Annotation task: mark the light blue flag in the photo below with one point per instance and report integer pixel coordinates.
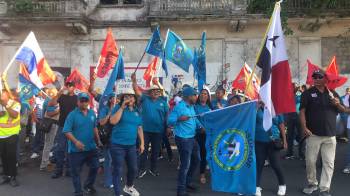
(117, 73)
(177, 52)
(27, 89)
(230, 148)
(155, 44)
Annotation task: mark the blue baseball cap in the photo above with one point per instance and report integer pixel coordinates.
(189, 91)
(83, 95)
(112, 94)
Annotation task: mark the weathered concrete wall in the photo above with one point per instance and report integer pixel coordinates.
(62, 48)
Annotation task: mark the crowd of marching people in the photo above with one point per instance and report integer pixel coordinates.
(134, 127)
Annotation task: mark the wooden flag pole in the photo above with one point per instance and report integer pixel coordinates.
(261, 48)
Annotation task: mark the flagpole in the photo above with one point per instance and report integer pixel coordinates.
(138, 65)
(97, 64)
(261, 48)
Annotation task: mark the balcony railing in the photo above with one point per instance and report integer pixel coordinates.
(303, 7)
(196, 7)
(42, 8)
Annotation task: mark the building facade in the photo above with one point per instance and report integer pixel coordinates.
(71, 33)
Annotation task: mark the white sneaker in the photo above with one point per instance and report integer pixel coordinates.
(282, 190)
(34, 156)
(131, 191)
(258, 191)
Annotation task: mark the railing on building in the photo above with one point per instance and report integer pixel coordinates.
(120, 2)
(196, 7)
(305, 7)
(42, 8)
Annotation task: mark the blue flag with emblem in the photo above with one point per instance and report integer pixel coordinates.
(117, 73)
(230, 148)
(27, 89)
(155, 44)
(177, 52)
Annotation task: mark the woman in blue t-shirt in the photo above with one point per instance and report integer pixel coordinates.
(105, 129)
(203, 105)
(266, 149)
(127, 125)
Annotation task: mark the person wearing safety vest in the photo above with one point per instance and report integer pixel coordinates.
(9, 130)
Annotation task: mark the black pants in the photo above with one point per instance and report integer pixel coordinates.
(8, 153)
(201, 137)
(167, 146)
(155, 139)
(264, 150)
(294, 132)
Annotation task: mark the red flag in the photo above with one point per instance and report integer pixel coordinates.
(81, 83)
(109, 55)
(242, 81)
(310, 70)
(333, 77)
(333, 67)
(151, 71)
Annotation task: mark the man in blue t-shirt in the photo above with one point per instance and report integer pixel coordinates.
(154, 110)
(81, 132)
(183, 118)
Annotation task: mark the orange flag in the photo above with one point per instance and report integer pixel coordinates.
(81, 83)
(109, 55)
(151, 71)
(242, 81)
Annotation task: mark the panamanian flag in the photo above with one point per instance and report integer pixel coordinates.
(30, 55)
(276, 90)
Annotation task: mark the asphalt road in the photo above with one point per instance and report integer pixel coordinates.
(37, 183)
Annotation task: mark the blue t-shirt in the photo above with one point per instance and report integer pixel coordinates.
(264, 136)
(200, 109)
(102, 113)
(125, 131)
(215, 102)
(82, 127)
(154, 114)
(184, 129)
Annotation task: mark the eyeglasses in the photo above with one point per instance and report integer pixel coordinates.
(318, 77)
(84, 100)
(128, 96)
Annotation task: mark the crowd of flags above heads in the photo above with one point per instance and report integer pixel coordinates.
(35, 72)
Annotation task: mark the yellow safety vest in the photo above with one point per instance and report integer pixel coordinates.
(8, 125)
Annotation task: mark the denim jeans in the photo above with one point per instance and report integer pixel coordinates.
(121, 154)
(38, 142)
(61, 151)
(107, 167)
(155, 139)
(77, 161)
(189, 160)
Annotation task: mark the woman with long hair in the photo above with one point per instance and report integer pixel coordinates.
(203, 105)
(127, 127)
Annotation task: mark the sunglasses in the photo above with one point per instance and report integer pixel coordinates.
(318, 77)
(84, 100)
